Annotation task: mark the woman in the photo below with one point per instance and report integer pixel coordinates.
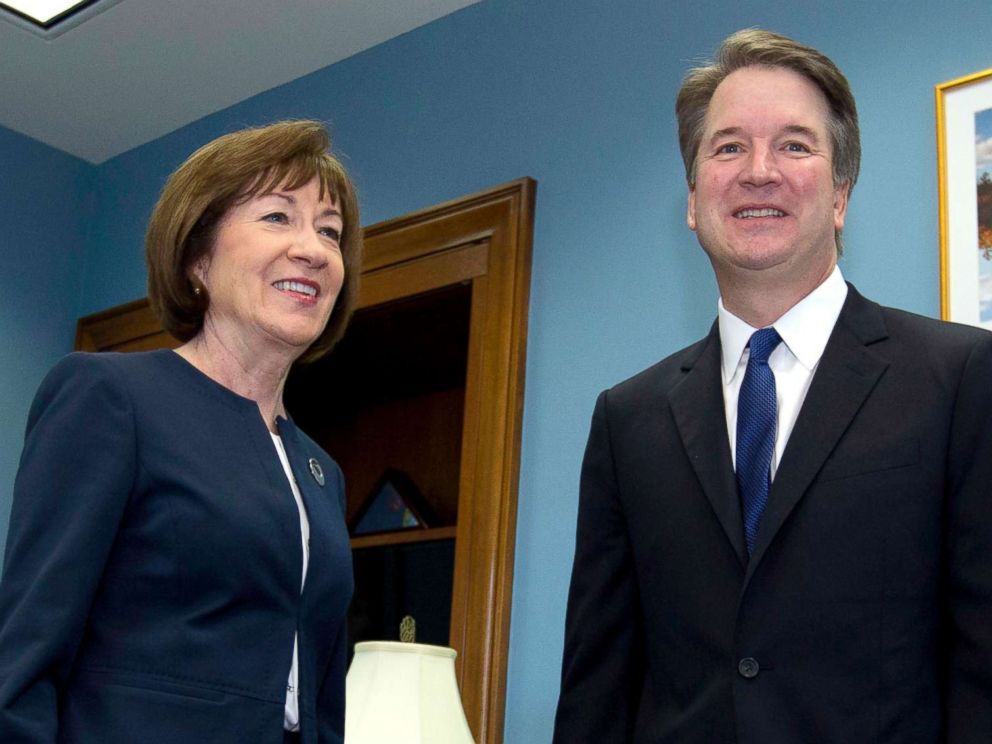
(177, 567)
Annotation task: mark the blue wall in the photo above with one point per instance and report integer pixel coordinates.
(579, 95)
(44, 199)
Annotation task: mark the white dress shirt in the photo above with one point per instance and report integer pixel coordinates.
(291, 721)
(804, 331)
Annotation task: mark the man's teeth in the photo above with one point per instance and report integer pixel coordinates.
(296, 287)
(766, 212)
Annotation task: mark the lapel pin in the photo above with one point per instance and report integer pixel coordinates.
(316, 471)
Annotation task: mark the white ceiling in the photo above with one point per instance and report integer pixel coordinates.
(142, 68)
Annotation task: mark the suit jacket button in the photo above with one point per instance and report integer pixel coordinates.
(748, 668)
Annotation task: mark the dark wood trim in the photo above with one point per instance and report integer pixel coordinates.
(403, 537)
(122, 328)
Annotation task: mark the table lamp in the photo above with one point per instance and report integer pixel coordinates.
(403, 693)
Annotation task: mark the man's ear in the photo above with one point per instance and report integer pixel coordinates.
(690, 216)
(841, 194)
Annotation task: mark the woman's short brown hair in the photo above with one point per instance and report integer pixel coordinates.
(757, 47)
(227, 171)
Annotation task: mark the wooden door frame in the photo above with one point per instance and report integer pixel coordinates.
(484, 239)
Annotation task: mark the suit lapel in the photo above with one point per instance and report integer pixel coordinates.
(846, 374)
(697, 405)
(313, 492)
(299, 461)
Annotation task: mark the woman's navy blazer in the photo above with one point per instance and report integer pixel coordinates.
(151, 586)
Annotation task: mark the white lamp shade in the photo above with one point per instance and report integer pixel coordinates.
(403, 693)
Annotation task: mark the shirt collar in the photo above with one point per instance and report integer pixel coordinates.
(805, 328)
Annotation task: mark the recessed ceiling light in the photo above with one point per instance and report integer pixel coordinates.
(51, 18)
(44, 12)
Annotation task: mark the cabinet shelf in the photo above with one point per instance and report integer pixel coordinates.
(403, 537)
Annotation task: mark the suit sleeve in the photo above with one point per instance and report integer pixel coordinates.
(72, 485)
(603, 669)
(969, 555)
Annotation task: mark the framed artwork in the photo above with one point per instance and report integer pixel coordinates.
(393, 504)
(964, 171)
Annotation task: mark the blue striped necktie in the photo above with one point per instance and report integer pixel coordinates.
(756, 431)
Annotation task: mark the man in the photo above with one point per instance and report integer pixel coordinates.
(785, 530)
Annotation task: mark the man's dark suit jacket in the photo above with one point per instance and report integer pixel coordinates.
(151, 586)
(865, 613)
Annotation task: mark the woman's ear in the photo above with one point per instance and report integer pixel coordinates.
(196, 275)
(197, 272)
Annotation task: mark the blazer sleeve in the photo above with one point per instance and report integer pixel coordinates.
(603, 669)
(72, 486)
(968, 641)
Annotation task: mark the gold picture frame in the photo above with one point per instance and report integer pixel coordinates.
(964, 154)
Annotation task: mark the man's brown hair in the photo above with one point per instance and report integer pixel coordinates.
(757, 47)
